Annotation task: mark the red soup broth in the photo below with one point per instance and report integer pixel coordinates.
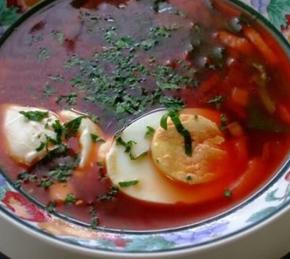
(207, 55)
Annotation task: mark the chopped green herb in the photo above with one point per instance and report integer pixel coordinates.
(163, 121)
(37, 116)
(94, 118)
(43, 54)
(126, 184)
(162, 31)
(148, 44)
(58, 129)
(48, 90)
(70, 199)
(156, 5)
(96, 139)
(216, 101)
(45, 182)
(224, 122)
(41, 146)
(180, 129)
(110, 195)
(124, 43)
(150, 132)
(228, 193)
(188, 178)
(62, 172)
(24, 177)
(132, 157)
(51, 207)
(58, 36)
(60, 150)
(73, 61)
(71, 128)
(95, 221)
(127, 145)
(69, 99)
(57, 78)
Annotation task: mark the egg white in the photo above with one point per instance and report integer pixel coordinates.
(24, 136)
(86, 129)
(152, 186)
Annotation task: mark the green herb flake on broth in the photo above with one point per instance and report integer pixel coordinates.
(150, 132)
(50, 207)
(96, 139)
(58, 36)
(71, 128)
(58, 129)
(69, 99)
(126, 184)
(121, 89)
(109, 195)
(43, 54)
(224, 121)
(70, 199)
(48, 90)
(37, 116)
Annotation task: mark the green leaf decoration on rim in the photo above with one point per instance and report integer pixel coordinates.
(8, 15)
(277, 11)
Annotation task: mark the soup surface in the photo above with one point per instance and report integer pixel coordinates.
(144, 114)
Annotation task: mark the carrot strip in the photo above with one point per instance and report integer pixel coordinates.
(283, 113)
(238, 43)
(240, 96)
(256, 39)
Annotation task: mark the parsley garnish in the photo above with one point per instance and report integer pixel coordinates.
(71, 128)
(51, 207)
(48, 90)
(126, 184)
(41, 146)
(174, 115)
(228, 193)
(70, 99)
(43, 54)
(70, 199)
(110, 195)
(127, 145)
(96, 139)
(58, 129)
(150, 132)
(24, 177)
(58, 36)
(62, 172)
(45, 182)
(56, 78)
(34, 115)
(95, 221)
(224, 122)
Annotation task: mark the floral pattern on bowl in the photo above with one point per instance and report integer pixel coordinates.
(268, 201)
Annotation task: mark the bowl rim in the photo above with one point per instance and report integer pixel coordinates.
(228, 238)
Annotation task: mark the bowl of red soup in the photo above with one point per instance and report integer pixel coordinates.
(143, 127)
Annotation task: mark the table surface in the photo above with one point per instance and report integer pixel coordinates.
(271, 242)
